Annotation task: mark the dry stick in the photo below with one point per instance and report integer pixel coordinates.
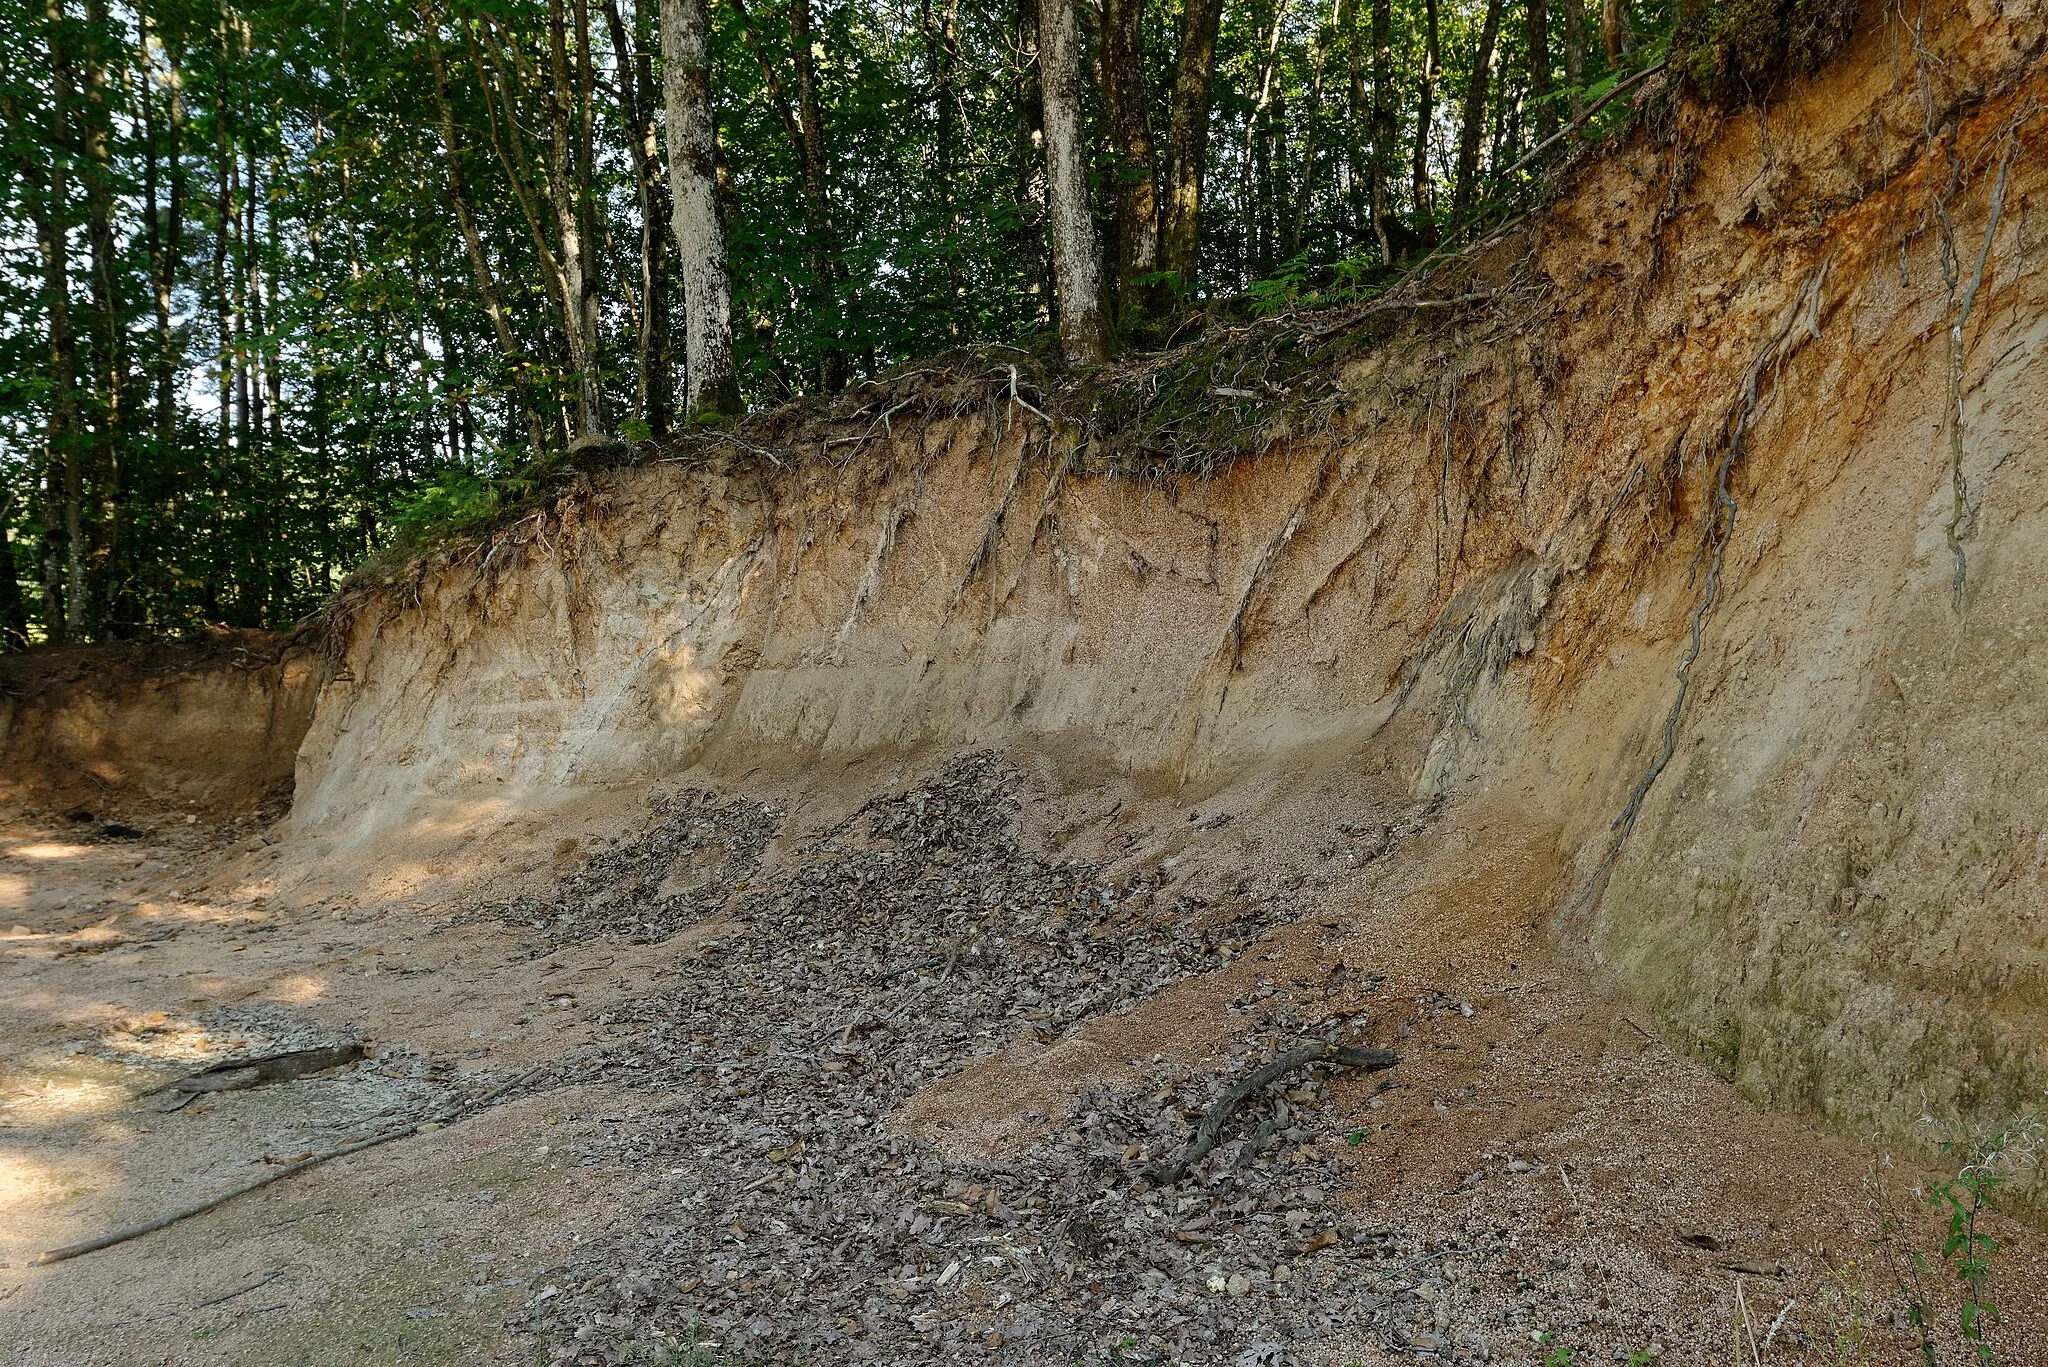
(122, 1236)
(265, 1280)
(1210, 1132)
(1580, 122)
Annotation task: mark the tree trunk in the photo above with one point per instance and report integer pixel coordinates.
(1127, 105)
(510, 145)
(693, 182)
(1077, 283)
(824, 261)
(1424, 181)
(472, 240)
(1357, 206)
(166, 231)
(566, 195)
(108, 365)
(1030, 108)
(1258, 151)
(45, 182)
(1617, 35)
(1187, 140)
(1574, 14)
(1539, 69)
(1472, 129)
(636, 105)
(1382, 123)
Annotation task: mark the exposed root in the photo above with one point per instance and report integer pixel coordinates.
(1219, 1115)
(1801, 323)
(1959, 487)
(992, 534)
(1233, 637)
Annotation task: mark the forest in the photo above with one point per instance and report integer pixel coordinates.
(284, 282)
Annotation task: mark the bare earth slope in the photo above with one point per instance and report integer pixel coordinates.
(866, 860)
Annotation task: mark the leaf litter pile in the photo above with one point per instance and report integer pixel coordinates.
(791, 1224)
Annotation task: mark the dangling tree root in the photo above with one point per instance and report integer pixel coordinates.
(1219, 1115)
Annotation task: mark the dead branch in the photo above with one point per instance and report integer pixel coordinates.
(1219, 1115)
(240, 1074)
(445, 1116)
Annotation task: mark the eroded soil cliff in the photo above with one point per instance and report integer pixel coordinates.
(861, 846)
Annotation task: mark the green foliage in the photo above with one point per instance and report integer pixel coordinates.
(283, 361)
(1740, 50)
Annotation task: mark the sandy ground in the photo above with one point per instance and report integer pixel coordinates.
(1535, 1122)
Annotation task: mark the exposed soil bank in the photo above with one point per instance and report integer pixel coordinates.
(213, 723)
(1713, 387)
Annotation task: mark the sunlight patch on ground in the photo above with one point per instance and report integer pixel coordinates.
(299, 988)
(62, 1098)
(47, 849)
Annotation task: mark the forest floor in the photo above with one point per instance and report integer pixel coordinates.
(881, 1070)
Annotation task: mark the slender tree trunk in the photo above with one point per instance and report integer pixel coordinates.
(166, 230)
(636, 107)
(258, 366)
(1357, 164)
(1472, 129)
(1030, 110)
(1539, 69)
(1127, 104)
(1077, 282)
(45, 182)
(1382, 123)
(566, 193)
(824, 258)
(1423, 179)
(472, 240)
(494, 76)
(1258, 148)
(1187, 140)
(803, 121)
(713, 376)
(1573, 13)
(1310, 179)
(223, 308)
(1617, 34)
(66, 428)
(109, 366)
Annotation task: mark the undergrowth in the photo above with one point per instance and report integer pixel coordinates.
(1739, 51)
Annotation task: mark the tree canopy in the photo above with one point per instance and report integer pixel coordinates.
(282, 279)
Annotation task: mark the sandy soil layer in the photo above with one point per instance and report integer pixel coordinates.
(880, 1071)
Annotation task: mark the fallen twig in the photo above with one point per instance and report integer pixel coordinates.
(240, 1074)
(1580, 122)
(265, 1280)
(1210, 1132)
(122, 1236)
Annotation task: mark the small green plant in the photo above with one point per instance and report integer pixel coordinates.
(1965, 1248)
(1966, 1252)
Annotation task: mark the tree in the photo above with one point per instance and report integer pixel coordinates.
(712, 375)
(1076, 272)
(1187, 143)
(1127, 109)
(1472, 121)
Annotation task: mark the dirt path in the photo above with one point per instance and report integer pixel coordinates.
(885, 1080)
